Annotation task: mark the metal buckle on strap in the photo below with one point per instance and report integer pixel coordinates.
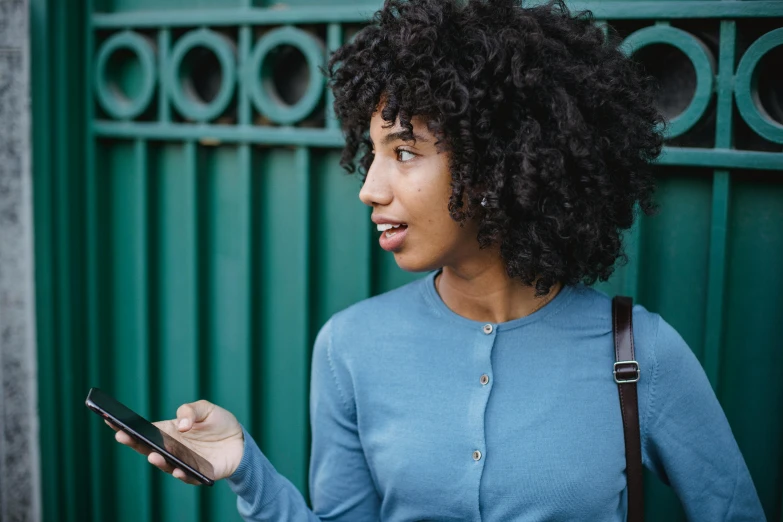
(634, 370)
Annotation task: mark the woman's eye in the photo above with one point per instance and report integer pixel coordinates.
(405, 155)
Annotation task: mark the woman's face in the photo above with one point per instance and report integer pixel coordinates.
(409, 184)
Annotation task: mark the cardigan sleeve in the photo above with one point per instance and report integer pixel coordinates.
(341, 485)
(689, 443)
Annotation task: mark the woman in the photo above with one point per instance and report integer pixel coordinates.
(504, 149)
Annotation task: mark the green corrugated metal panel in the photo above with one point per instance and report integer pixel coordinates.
(191, 249)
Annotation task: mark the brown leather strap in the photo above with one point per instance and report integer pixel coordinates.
(626, 373)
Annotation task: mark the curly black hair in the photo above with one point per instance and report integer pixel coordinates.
(542, 114)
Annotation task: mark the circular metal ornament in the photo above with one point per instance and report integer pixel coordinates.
(110, 97)
(263, 93)
(189, 104)
(701, 59)
(745, 88)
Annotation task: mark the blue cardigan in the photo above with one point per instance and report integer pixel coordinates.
(420, 414)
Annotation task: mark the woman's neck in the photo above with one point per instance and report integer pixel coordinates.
(486, 293)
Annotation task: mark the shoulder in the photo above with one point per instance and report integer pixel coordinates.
(591, 309)
(356, 326)
(656, 343)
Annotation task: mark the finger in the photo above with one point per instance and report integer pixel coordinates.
(168, 426)
(112, 426)
(184, 477)
(124, 438)
(157, 460)
(191, 413)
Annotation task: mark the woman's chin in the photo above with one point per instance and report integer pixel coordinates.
(411, 263)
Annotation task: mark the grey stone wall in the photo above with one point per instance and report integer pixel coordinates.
(19, 455)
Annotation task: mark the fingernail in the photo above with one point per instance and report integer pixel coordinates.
(183, 424)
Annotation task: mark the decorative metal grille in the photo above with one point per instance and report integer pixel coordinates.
(246, 56)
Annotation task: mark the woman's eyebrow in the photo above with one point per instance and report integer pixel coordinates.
(403, 135)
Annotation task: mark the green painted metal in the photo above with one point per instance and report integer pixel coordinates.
(757, 118)
(722, 158)
(721, 200)
(176, 256)
(191, 248)
(281, 136)
(750, 383)
(699, 56)
(285, 233)
(111, 98)
(245, 41)
(182, 95)
(164, 46)
(346, 11)
(264, 99)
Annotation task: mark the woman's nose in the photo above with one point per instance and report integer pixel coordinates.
(376, 190)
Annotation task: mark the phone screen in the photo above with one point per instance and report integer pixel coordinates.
(143, 430)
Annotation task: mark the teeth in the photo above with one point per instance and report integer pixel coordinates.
(391, 234)
(387, 226)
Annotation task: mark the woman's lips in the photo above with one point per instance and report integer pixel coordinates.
(393, 243)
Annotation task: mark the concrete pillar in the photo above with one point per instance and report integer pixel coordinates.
(19, 453)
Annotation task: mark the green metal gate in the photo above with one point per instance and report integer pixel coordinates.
(194, 230)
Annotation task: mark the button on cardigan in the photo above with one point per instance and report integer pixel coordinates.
(420, 414)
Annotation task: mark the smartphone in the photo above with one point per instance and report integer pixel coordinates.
(143, 431)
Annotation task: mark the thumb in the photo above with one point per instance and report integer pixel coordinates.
(193, 412)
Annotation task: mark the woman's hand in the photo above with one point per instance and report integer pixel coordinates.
(207, 429)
